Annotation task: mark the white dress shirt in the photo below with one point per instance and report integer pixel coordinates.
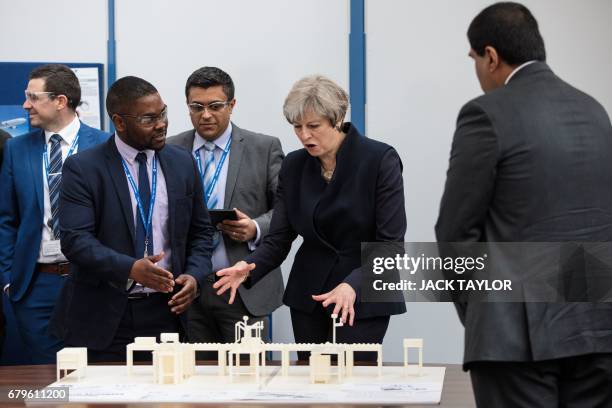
(68, 135)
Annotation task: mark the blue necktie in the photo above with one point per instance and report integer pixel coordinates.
(54, 179)
(209, 173)
(144, 191)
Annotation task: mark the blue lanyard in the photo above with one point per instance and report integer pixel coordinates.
(146, 223)
(211, 186)
(73, 147)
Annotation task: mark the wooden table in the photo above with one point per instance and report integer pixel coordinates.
(457, 391)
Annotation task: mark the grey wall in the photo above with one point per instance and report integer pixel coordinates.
(418, 76)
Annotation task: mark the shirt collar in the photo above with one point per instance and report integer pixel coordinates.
(220, 142)
(517, 69)
(68, 133)
(129, 153)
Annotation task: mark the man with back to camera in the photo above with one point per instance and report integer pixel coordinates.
(136, 229)
(32, 265)
(246, 180)
(530, 163)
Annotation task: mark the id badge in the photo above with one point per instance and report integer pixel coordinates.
(51, 248)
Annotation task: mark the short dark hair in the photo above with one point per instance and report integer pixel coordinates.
(207, 77)
(60, 80)
(125, 91)
(511, 29)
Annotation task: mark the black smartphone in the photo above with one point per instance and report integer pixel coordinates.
(217, 216)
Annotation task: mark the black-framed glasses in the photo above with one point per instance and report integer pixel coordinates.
(148, 120)
(212, 107)
(34, 97)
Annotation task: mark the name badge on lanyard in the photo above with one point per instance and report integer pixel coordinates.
(51, 248)
(211, 187)
(147, 223)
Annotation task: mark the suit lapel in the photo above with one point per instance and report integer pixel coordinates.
(36, 151)
(115, 168)
(167, 167)
(235, 158)
(186, 140)
(314, 188)
(85, 138)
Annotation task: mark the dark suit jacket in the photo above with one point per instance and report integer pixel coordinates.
(97, 227)
(363, 203)
(252, 177)
(22, 205)
(530, 162)
(4, 136)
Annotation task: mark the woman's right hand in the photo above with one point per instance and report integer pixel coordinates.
(232, 277)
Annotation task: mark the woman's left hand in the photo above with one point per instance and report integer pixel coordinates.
(343, 296)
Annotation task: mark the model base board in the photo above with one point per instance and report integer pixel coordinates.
(112, 384)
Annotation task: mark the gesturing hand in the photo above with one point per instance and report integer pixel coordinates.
(343, 296)
(183, 298)
(232, 278)
(147, 273)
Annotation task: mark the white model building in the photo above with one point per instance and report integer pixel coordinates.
(173, 361)
(413, 343)
(72, 358)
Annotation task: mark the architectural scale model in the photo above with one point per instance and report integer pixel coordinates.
(174, 362)
(72, 358)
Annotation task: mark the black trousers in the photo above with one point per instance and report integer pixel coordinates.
(572, 382)
(213, 320)
(147, 317)
(316, 327)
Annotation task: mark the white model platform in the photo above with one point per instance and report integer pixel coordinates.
(112, 384)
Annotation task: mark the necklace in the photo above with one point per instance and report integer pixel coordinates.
(327, 174)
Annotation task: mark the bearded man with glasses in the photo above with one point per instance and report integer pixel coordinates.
(239, 170)
(33, 268)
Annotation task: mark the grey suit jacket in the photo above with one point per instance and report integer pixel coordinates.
(530, 162)
(252, 178)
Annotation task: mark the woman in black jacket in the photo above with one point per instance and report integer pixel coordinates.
(340, 190)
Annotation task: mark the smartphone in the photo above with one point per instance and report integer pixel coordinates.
(217, 216)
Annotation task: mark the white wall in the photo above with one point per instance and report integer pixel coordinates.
(418, 76)
(54, 31)
(265, 45)
(59, 30)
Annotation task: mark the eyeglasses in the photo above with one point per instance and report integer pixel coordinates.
(212, 107)
(148, 120)
(34, 97)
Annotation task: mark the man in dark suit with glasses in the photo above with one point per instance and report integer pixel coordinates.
(135, 228)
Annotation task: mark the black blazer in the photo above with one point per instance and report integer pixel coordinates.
(97, 226)
(363, 203)
(530, 162)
